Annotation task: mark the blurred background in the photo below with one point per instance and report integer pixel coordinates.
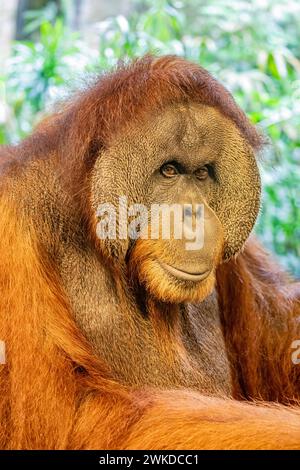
(253, 47)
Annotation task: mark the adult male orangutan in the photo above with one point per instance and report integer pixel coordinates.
(140, 343)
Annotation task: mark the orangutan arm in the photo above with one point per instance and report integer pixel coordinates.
(185, 420)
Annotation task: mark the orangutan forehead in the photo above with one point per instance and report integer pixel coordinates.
(186, 126)
(181, 130)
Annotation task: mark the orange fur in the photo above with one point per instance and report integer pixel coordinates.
(260, 310)
(56, 394)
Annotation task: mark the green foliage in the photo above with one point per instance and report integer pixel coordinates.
(37, 73)
(251, 46)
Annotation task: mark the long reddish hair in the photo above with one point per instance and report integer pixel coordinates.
(54, 392)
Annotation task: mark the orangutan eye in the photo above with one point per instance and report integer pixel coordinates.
(202, 173)
(169, 170)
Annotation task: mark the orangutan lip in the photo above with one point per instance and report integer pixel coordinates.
(183, 275)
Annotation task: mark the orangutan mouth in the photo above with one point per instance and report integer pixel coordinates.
(184, 275)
